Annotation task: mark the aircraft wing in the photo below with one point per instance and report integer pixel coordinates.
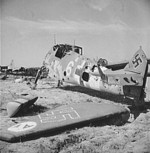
(56, 120)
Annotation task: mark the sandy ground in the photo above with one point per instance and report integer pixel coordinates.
(134, 136)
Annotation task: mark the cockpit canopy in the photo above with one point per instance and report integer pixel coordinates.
(62, 49)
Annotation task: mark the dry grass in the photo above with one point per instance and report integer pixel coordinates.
(132, 137)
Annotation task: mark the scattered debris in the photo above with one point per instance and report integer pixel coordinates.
(20, 105)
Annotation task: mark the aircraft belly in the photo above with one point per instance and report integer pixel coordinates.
(25, 128)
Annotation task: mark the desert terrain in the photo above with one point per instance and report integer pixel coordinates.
(131, 137)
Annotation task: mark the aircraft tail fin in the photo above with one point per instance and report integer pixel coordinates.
(138, 63)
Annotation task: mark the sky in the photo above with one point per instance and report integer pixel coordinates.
(110, 29)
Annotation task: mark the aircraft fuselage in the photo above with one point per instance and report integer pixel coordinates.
(66, 64)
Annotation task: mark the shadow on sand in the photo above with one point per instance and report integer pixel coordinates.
(35, 110)
(108, 96)
(98, 94)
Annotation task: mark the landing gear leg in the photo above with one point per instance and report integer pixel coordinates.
(60, 83)
(37, 77)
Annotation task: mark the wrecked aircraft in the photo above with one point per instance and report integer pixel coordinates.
(65, 63)
(62, 117)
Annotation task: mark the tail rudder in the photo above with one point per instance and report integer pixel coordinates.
(138, 63)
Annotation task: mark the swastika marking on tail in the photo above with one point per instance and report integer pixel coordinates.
(137, 60)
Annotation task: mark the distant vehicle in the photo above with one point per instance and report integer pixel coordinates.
(66, 64)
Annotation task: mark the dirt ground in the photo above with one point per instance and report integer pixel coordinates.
(132, 137)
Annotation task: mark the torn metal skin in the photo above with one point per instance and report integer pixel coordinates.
(67, 64)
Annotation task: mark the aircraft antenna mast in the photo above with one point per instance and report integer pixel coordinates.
(74, 41)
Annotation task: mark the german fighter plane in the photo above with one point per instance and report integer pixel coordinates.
(67, 64)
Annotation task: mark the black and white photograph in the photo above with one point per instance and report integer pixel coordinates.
(74, 76)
